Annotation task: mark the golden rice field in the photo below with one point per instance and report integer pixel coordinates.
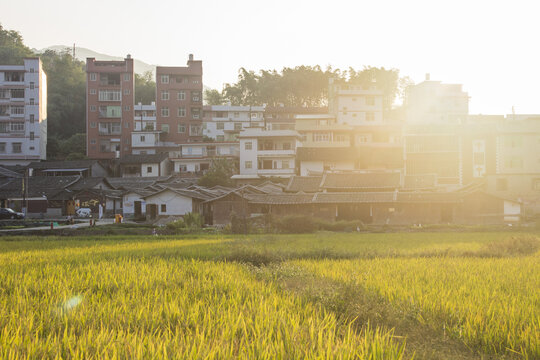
(226, 297)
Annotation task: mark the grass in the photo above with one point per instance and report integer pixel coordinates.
(427, 295)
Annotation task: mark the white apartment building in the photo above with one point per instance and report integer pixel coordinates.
(266, 153)
(224, 122)
(23, 113)
(355, 105)
(432, 102)
(145, 117)
(197, 157)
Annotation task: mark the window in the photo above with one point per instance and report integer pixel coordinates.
(248, 164)
(93, 124)
(195, 113)
(163, 208)
(165, 128)
(164, 79)
(16, 148)
(164, 95)
(182, 95)
(222, 114)
(93, 141)
(236, 114)
(237, 126)
(32, 70)
(514, 162)
(109, 95)
(536, 184)
(341, 138)
(127, 77)
(32, 118)
(478, 158)
(92, 107)
(127, 91)
(181, 128)
(126, 125)
(195, 130)
(32, 85)
(149, 169)
(196, 96)
(17, 127)
(143, 138)
(92, 91)
(248, 145)
(370, 116)
(220, 138)
(17, 110)
(285, 164)
(253, 115)
(513, 141)
(165, 111)
(127, 108)
(501, 185)
(181, 112)
(286, 146)
(196, 81)
(32, 136)
(370, 100)
(2, 147)
(321, 137)
(93, 76)
(220, 126)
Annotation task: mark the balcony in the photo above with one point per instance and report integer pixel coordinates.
(275, 172)
(275, 153)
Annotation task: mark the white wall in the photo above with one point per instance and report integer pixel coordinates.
(129, 204)
(248, 155)
(177, 205)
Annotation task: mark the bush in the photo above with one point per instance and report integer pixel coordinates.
(296, 224)
(193, 220)
(342, 225)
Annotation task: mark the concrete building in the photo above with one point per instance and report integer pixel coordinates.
(266, 153)
(195, 158)
(179, 102)
(355, 105)
(224, 122)
(432, 102)
(23, 113)
(109, 108)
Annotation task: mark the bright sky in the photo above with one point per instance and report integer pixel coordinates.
(491, 47)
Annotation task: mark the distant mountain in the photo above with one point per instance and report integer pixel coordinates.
(83, 53)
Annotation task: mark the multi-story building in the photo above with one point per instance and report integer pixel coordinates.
(23, 113)
(266, 153)
(432, 102)
(109, 108)
(355, 105)
(179, 102)
(194, 157)
(284, 117)
(224, 122)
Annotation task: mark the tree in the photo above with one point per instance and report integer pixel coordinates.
(145, 88)
(12, 48)
(220, 172)
(213, 97)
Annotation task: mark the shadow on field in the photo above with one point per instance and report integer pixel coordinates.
(365, 309)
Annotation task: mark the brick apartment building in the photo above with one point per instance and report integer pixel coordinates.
(109, 108)
(179, 102)
(23, 113)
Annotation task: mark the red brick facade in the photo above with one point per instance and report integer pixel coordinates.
(109, 107)
(179, 102)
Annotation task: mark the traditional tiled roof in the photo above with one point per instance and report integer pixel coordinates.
(427, 197)
(359, 181)
(89, 183)
(186, 193)
(38, 186)
(10, 173)
(270, 187)
(143, 159)
(420, 181)
(308, 184)
(135, 182)
(357, 197)
(281, 199)
(66, 164)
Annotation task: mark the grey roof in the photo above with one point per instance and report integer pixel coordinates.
(357, 197)
(383, 180)
(280, 199)
(270, 187)
(186, 193)
(67, 164)
(143, 159)
(308, 184)
(420, 181)
(428, 197)
(38, 186)
(9, 173)
(128, 183)
(89, 183)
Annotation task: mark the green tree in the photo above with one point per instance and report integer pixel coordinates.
(12, 48)
(213, 97)
(145, 88)
(220, 172)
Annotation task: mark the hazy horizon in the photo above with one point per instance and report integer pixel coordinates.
(486, 46)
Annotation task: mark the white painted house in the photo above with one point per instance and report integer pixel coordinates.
(224, 122)
(265, 153)
(173, 202)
